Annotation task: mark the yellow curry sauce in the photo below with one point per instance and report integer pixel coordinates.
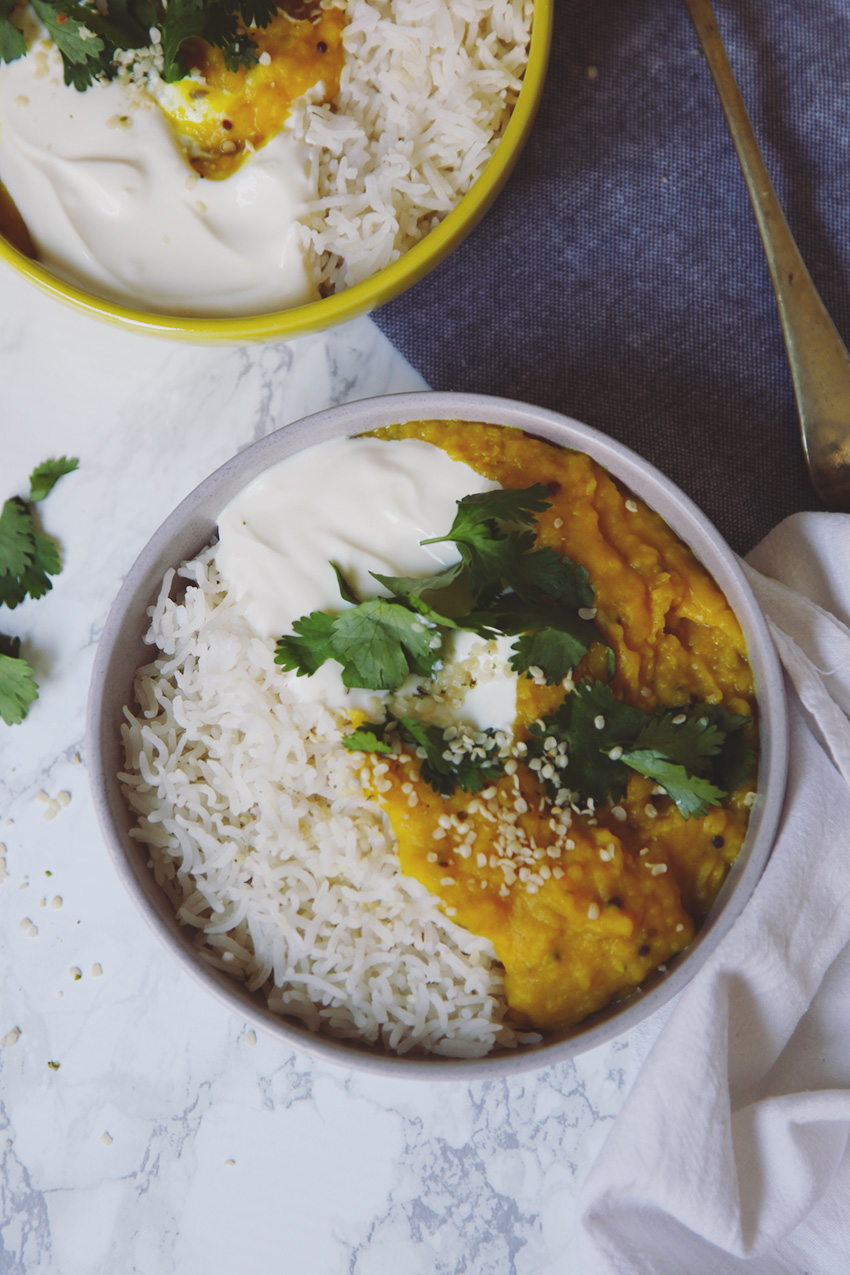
(580, 907)
(230, 114)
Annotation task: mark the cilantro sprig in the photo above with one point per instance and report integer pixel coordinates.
(28, 558)
(451, 758)
(378, 642)
(12, 42)
(502, 584)
(698, 754)
(89, 37)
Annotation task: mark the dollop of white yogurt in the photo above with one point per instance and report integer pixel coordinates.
(365, 504)
(113, 206)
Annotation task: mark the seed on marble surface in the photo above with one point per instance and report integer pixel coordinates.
(250, 1038)
(28, 927)
(56, 901)
(96, 970)
(12, 1037)
(106, 1139)
(75, 972)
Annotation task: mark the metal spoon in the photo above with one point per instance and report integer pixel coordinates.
(820, 364)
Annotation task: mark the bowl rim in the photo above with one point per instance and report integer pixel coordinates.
(359, 299)
(191, 525)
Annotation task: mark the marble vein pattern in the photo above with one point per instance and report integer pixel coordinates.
(142, 1127)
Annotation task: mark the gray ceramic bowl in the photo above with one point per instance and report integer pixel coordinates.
(192, 525)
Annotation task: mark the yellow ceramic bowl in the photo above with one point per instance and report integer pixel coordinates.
(363, 297)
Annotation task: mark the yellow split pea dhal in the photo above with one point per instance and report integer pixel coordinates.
(581, 904)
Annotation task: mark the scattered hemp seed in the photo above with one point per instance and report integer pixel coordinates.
(76, 973)
(56, 901)
(96, 970)
(230, 1163)
(106, 1138)
(250, 1038)
(28, 927)
(54, 1066)
(11, 1038)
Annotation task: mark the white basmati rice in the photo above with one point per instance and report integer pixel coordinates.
(426, 93)
(259, 833)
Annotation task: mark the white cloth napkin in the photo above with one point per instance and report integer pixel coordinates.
(731, 1153)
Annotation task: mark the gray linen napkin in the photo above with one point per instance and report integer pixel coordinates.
(619, 277)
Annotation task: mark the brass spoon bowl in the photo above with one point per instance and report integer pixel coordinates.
(820, 364)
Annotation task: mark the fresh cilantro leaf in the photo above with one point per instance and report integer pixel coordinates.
(182, 20)
(691, 739)
(504, 504)
(10, 646)
(18, 687)
(257, 13)
(693, 794)
(555, 651)
(17, 537)
(345, 590)
(238, 51)
(34, 580)
(12, 42)
(470, 760)
(490, 561)
(590, 721)
(124, 24)
(69, 29)
(78, 75)
(367, 739)
(453, 759)
(46, 475)
(306, 650)
(683, 750)
(544, 573)
(216, 22)
(380, 642)
(491, 555)
(735, 765)
(553, 639)
(412, 590)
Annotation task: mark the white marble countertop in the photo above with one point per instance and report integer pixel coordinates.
(143, 1128)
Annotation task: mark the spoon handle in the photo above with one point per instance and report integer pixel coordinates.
(820, 364)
